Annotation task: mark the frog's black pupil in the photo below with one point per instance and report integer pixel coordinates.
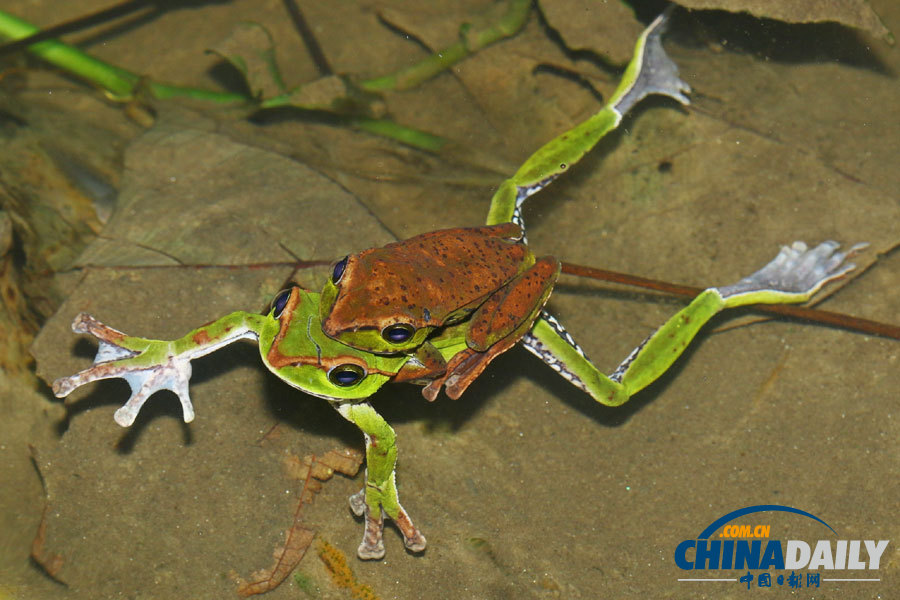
(280, 302)
(339, 270)
(397, 334)
(346, 375)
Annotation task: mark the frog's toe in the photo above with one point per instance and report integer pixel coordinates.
(372, 546)
(656, 72)
(370, 551)
(415, 543)
(412, 537)
(64, 386)
(358, 503)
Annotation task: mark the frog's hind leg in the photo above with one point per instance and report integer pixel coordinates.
(793, 276)
(511, 309)
(650, 71)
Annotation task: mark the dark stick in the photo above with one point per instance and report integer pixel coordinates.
(786, 310)
(312, 45)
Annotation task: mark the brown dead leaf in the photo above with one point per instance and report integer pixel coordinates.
(314, 470)
(345, 461)
(297, 541)
(50, 562)
(17, 323)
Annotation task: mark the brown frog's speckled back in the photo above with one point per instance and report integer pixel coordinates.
(427, 278)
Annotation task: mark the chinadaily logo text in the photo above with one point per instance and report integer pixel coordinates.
(742, 547)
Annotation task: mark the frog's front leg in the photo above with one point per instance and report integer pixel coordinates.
(379, 496)
(425, 364)
(152, 365)
(793, 276)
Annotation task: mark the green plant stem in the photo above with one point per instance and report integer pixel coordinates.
(395, 131)
(122, 84)
(116, 81)
(470, 42)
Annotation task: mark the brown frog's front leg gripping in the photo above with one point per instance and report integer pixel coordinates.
(512, 309)
(379, 496)
(426, 364)
(497, 326)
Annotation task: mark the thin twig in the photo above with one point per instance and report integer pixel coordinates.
(309, 39)
(785, 310)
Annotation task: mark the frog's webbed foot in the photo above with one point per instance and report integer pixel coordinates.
(147, 365)
(656, 72)
(794, 275)
(152, 365)
(372, 545)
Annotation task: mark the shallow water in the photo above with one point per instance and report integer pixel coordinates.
(524, 487)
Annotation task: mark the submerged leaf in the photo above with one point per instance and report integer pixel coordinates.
(337, 93)
(313, 470)
(251, 51)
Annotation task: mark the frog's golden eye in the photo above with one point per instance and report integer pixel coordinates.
(338, 271)
(346, 375)
(279, 302)
(398, 333)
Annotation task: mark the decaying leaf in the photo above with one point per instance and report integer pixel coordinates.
(50, 562)
(251, 51)
(17, 323)
(297, 540)
(313, 471)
